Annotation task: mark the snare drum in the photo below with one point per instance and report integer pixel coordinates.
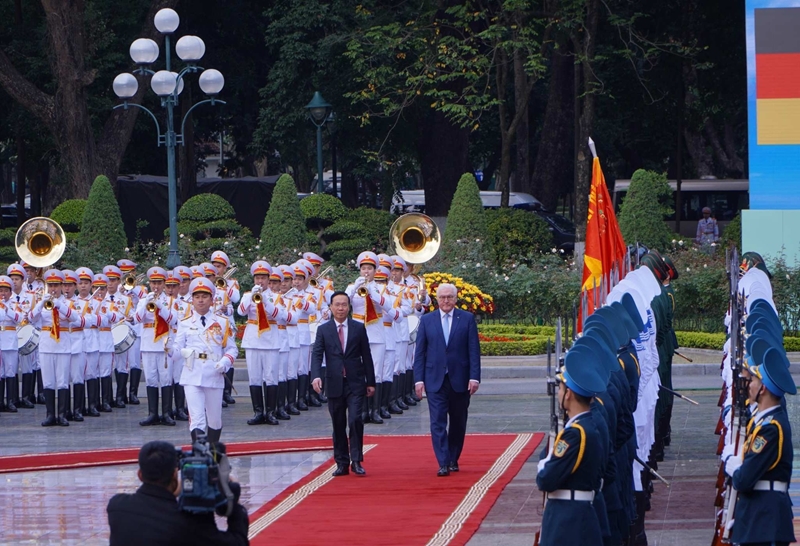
(413, 328)
(27, 339)
(124, 336)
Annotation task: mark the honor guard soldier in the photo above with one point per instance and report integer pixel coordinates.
(77, 356)
(571, 472)
(285, 389)
(134, 354)
(22, 303)
(54, 315)
(10, 317)
(155, 314)
(320, 315)
(323, 283)
(305, 306)
(762, 472)
(294, 404)
(392, 311)
(224, 300)
(105, 341)
(197, 272)
(405, 303)
(91, 340)
(123, 306)
(707, 229)
(205, 344)
(35, 288)
(367, 306)
(80, 378)
(262, 344)
(181, 308)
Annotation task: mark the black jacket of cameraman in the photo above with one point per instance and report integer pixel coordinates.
(151, 516)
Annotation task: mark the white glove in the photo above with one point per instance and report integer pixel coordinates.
(150, 297)
(221, 365)
(257, 289)
(732, 464)
(543, 462)
(360, 281)
(726, 452)
(47, 296)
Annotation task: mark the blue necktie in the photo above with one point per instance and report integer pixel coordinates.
(203, 320)
(446, 328)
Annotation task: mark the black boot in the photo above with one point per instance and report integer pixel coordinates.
(63, 404)
(322, 396)
(68, 413)
(122, 387)
(3, 407)
(408, 388)
(195, 433)
(12, 389)
(113, 401)
(136, 376)
(386, 391)
(50, 405)
(40, 386)
(27, 383)
(105, 395)
(214, 435)
(375, 405)
(78, 400)
(257, 396)
(394, 408)
(302, 387)
(226, 392)
(272, 401)
(400, 391)
(166, 406)
(280, 405)
(152, 408)
(291, 397)
(93, 392)
(311, 394)
(180, 403)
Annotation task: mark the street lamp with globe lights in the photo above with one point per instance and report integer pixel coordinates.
(168, 85)
(319, 112)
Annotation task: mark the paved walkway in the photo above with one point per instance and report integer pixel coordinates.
(681, 515)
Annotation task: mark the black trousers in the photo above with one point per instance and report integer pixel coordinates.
(345, 412)
(443, 404)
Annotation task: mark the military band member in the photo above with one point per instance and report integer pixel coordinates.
(571, 473)
(77, 356)
(287, 390)
(123, 306)
(33, 279)
(22, 303)
(105, 341)
(392, 311)
(182, 308)
(133, 355)
(197, 271)
(205, 343)
(406, 305)
(35, 288)
(224, 302)
(305, 306)
(762, 472)
(10, 317)
(293, 339)
(55, 346)
(155, 314)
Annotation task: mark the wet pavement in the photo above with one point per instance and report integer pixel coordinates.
(43, 507)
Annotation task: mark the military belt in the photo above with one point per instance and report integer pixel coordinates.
(768, 485)
(571, 494)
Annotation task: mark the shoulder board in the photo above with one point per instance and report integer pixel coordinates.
(767, 420)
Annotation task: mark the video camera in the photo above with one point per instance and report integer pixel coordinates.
(205, 474)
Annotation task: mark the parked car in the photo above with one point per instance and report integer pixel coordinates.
(562, 228)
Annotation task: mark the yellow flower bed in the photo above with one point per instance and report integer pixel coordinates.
(470, 297)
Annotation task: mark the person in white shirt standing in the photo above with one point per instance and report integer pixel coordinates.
(206, 347)
(22, 303)
(9, 318)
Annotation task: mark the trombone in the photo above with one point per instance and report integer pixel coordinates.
(222, 282)
(132, 282)
(314, 283)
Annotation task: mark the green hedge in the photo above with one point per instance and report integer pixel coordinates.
(514, 348)
(206, 207)
(518, 329)
(69, 214)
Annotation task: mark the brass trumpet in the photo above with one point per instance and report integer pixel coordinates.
(151, 306)
(49, 305)
(314, 283)
(362, 291)
(257, 298)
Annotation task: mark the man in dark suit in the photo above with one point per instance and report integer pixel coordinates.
(349, 376)
(151, 515)
(447, 365)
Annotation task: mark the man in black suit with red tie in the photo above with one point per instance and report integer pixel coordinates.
(349, 376)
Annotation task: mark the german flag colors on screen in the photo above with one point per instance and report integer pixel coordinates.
(777, 33)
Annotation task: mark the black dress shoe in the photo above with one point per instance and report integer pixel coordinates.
(358, 469)
(341, 470)
(452, 467)
(443, 471)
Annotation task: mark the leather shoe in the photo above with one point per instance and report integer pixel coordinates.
(341, 470)
(357, 468)
(452, 467)
(443, 471)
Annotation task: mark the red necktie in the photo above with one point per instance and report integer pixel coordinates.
(341, 340)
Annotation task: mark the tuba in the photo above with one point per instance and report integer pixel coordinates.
(415, 237)
(40, 242)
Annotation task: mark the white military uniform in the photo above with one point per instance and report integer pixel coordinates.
(209, 345)
(375, 327)
(154, 357)
(55, 343)
(10, 316)
(262, 348)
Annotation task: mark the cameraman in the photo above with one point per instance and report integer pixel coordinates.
(151, 515)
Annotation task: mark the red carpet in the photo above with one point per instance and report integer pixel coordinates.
(400, 500)
(80, 459)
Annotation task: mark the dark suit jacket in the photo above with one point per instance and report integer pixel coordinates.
(357, 361)
(460, 358)
(151, 516)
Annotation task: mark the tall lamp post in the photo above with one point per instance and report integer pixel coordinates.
(318, 112)
(168, 85)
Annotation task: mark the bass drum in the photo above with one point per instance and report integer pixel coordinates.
(124, 336)
(27, 339)
(413, 328)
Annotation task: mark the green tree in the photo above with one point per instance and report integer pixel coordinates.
(283, 234)
(321, 211)
(466, 223)
(102, 229)
(641, 216)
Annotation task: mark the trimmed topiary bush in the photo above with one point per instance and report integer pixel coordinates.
(69, 214)
(206, 207)
(466, 221)
(358, 230)
(641, 216)
(102, 229)
(284, 231)
(516, 234)
(732, 235)
(321, 211)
